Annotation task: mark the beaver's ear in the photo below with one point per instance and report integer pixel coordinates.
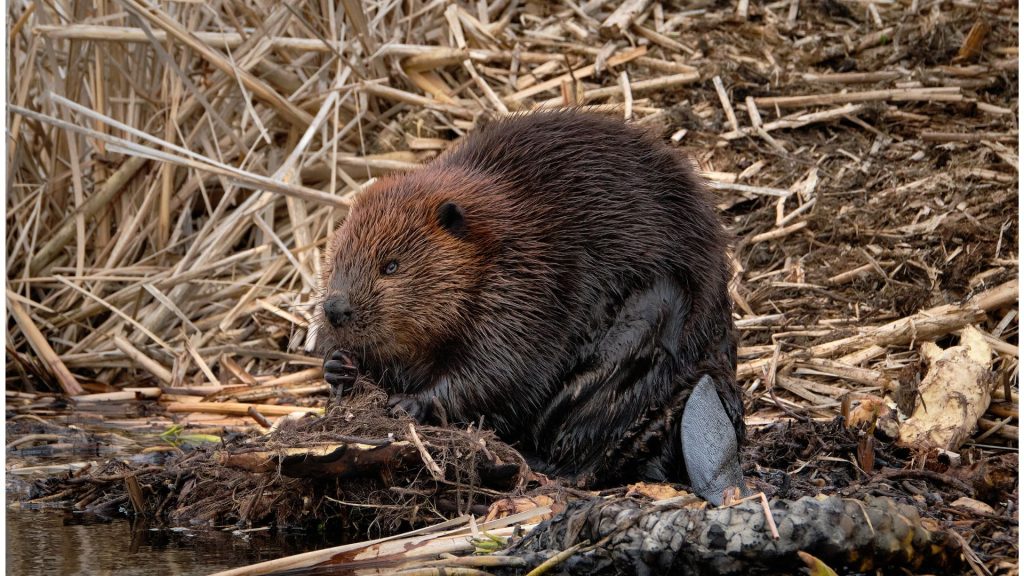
(451, 218)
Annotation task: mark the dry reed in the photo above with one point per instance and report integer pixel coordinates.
(175, 167)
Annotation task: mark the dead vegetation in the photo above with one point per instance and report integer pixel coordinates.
(347, 467)
(174, 168)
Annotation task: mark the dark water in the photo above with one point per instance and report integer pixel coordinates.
(54, 542)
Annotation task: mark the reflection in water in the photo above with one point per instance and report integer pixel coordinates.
(53, 542)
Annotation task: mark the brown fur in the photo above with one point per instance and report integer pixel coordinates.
(562, 217)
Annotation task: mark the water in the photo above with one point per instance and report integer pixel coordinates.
(55, 542)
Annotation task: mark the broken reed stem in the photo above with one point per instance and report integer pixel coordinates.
(851, 275)
(790, 122)
(619, 21)
(778, 233)
(127, 394)
(854, 77)
(723, 98)
(939, 94)
(428, 460)
(627, 95)
(557, 559)
(259, 418)
(219, 40)
(147, 363)
(928, 136)
(745, 188)
(237, 408)
(35, 338)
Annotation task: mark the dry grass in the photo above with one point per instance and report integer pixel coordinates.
(175, 167)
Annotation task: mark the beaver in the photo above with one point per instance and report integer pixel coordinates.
(563, 275)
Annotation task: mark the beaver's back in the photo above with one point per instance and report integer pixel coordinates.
(604, 207)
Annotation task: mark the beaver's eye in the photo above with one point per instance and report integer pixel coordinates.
(390, 268)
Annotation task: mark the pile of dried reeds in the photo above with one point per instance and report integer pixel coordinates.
(175, 167)
(357, 462)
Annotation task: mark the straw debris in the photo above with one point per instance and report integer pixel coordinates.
(175, 168)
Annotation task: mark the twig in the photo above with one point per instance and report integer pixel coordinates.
(769, 518)
(555, 560)
(723, 97)
(778, 232)
(428, 460)
(619, 21)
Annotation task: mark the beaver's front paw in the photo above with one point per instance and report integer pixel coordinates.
(417, 408)
(340, 369)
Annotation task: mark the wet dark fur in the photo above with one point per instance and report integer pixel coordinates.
(575, 305)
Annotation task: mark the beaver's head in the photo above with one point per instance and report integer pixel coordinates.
(399, 273)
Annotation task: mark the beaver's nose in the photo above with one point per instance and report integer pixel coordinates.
(338, 311)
